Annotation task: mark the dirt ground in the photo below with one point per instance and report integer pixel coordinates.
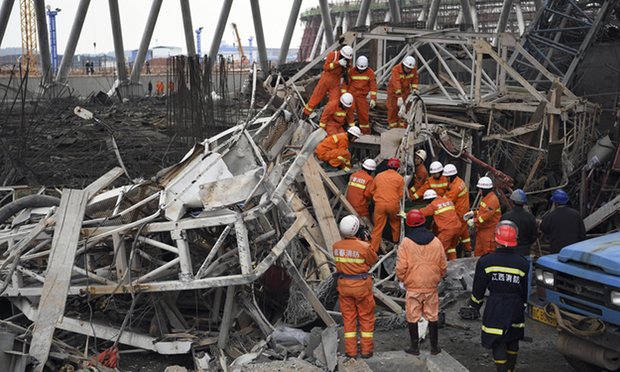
(537, 354)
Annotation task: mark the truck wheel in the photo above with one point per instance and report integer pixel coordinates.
(581, 366)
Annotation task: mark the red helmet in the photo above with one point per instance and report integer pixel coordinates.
(393, 163)
(506, 233)
(415, 218)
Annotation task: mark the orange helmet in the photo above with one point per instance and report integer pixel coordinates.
(393, 163)
(415, 218)
(506, 233)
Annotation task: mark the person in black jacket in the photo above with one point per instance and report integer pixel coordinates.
(525, 221)
(562, 225)
(504, 273)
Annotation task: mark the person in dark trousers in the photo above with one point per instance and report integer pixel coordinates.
(148, 67)
(525, 221)
(562, 225)
(504, 273)
(150, 88)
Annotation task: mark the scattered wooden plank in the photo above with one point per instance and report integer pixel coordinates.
(320, 202)
(103, 181)
(603, 213)
(227, 317)
(387, 300)
(458, 123)
(54, 296)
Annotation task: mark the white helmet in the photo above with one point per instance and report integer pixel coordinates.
(429, 194)
(436, 167)
(421, 154)
(485, 183)
(346, 52)
(449, 170)
(409, 62)
(355, 131)
(369, 164)
(361, 63)
(349, 225)
(346, 99)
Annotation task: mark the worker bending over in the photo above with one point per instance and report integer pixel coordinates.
(334, 149)
(420, 265)
(485, 218)
(358, 193)
(354, 258)
(421, 174)
(447, 223)
(362, 81)
(387, 191)
(459, 194)
(335, 114)
(562, 225)
(504, 274)
(335, 64)
(436, 182)
(403, 81)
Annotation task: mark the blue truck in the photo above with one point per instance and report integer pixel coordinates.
(579, 288)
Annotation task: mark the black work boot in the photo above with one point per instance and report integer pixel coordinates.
(512, 361)
(415, 340)
(433, 332)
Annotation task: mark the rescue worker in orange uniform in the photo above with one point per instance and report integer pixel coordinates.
(459, 194)
(386, 191)
(421, 174)
(334, 149)
(436, 182)
(159, 87)
(359, 182)
(335, 64)
(447, 223)
(403, 81)
(335, 114)
(362, 81)
(354, 258)
(420, 265)
(485, 218)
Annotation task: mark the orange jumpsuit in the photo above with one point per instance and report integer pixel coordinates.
(386, 191)
(356, 192)
(159, 87)
(439, 185)
(334, 149)
(458, 193)
(360, 84)
(353, 260)
(419, 179)
(486, 218)
(447, 222)
(400, 85)
(328, 83)
(420, 269)
(333, 117)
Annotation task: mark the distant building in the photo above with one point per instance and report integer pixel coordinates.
(165, 51)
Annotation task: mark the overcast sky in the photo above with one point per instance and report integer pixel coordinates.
(169, 28)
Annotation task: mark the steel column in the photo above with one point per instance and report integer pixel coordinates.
(260, 36)
(5, 14)
(74, 36)
(44, 44)
(474, 14)
(363, 14)
(327, 22)
(187, 28)
(466, 10)
(432, 15)
(117, 35)
(520, 18)
(146, 40)
(503, 16)
(219, 30)
(395, 11)
(288, 33)
(317, 42)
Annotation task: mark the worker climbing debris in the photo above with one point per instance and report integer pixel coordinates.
(459, 194)
(420, 174)
(386, 191)
(337, 114)
(358, 189)
(334, 149)
(485, 218)
(445, 221)
(403, 81)
(437, 182)
(362, 83)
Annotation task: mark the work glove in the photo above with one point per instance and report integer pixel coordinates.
(342, 62)
(373, 103)
(468, 216)
(346, 169)
(470, 222)
(399, 102)
(402, 286)
(402, 214)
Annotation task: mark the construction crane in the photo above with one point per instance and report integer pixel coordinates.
(28, 25)
(239, 46)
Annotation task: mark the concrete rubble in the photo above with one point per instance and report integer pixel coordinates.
(225, 256)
